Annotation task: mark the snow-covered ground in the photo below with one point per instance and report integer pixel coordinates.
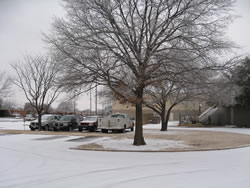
(152, 144)
(14, 124)
(11, 120)
(29, 161)
(173, 126)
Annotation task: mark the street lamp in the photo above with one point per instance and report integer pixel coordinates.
(75, 91)
(96, 99)
(90, 104)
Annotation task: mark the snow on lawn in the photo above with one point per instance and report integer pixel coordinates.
(158, 132)
(158, 126)
(173, 125)
(11, 120)
(152, 144)
(14, 124)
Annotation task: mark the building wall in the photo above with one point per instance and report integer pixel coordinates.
(241, 116)
(231, 116)
(185, 108)
(220, 117)
(4, 113)
(8, 113)
(147, 114)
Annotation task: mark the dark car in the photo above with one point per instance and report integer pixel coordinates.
(89, 123)
(67, 122)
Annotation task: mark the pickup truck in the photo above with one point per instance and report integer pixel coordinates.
(116, 122)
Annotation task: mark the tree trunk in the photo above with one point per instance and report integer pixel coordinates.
(138, 138)
(167, 117)
(39, 121)
(165, 126)
(163, 119)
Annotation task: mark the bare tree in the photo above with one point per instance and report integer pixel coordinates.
(37, 78)
(65, 107)
(5, 89)
(162, 98)
(5, 85)
(106, 96)
(222, 91)
(9, 104)
(221, 88)
(129, 45)
(1, 104)
(187, 86)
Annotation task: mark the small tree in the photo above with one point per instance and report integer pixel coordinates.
(1, 103)
(37, 78)
(221, 88)
(5, 85)
(242, 80)
(171, 93)
(9, 104)
(65, 107)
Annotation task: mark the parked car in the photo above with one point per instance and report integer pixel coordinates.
(29, 117)
(117, 122)
(89, 123)
(67, 122)
(47, 121)
(16, 115)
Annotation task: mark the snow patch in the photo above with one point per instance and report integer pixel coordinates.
(158, 126)
(158, 132)
(152, 144)
(11, 120)
(11, 124)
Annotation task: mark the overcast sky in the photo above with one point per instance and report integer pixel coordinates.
(23, 21)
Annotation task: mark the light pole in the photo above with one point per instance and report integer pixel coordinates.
(75, 91)
(96, 99)
(90, 104)
(200, 108)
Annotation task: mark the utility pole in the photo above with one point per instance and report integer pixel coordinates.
(75, 101)
(96, 99)
(90, 103)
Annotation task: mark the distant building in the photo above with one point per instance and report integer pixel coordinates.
(182, 110)
(29, 109)
(220, 116)
(12, 113)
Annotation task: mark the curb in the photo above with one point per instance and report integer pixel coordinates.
(162, 151)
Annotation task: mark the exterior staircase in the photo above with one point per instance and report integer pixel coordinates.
(204, 117)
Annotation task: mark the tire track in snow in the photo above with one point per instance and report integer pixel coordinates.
(49, 179)
(129, 180)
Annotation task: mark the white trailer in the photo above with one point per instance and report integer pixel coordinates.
(116, 122)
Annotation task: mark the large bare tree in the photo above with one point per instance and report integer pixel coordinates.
(36, 76)
(129, 45)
